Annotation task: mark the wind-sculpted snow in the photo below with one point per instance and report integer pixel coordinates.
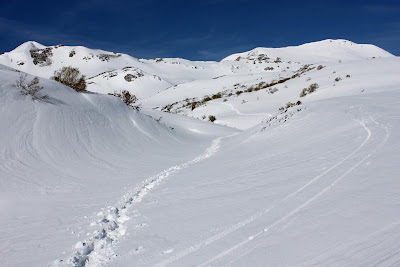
(54, 151)
(98, 249)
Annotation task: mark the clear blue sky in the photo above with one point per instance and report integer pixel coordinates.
(197, 30)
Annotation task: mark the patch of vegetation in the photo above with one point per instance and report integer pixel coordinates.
(33, 89)
(125, 96)
(206, 99)
(272, 90)
(237, 89)
(289, 105)
(216, 96)
(130, 77)
(108, 57)
(42, 57)
(212, 118)
(71, 77)
(312, 88)
(283, 114)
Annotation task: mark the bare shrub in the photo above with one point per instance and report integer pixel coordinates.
(71, 77)
(272, 90)
(216, 96)
(239, 92)
(31, 88)
(125, 96)
(312, 88)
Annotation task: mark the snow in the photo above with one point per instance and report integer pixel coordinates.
(54, 151)
(87, 181)
(316, 52)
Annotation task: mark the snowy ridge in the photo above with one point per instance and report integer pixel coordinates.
(322, 51)
(42, 61)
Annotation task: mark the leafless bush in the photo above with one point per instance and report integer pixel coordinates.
(70, 77)
(31, 88)
(125, 96)
(312, 88)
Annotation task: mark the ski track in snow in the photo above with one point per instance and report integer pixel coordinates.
(308, 202)
(98, 248)
(379, 248)
(252, 218)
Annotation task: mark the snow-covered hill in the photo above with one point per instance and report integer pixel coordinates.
(107, 72)
(316, 52)
(242, 101)
(100, 66)
(298, 168)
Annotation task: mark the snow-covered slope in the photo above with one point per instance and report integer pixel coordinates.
(243, 101)
(310, 179)
(317, 186)
(132, 79)
(65, 157)
(316, 52)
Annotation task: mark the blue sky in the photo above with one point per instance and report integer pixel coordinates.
(197, 30)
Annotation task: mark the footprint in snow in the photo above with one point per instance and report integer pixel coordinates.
(137, 250)
(142, 225)
(168, 251)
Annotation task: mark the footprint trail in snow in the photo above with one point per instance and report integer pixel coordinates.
(97, 249)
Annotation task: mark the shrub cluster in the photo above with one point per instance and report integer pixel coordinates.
(70, 77)
(125, 96)
(107, 57)
(31, 88)
(41, 57)
(312, 88)
(289, 105)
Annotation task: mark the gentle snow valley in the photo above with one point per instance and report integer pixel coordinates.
(299, 168)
